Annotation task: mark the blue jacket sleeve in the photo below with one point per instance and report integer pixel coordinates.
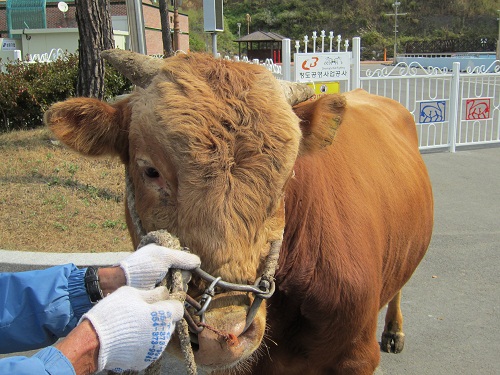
(38, 307)
(48, 361)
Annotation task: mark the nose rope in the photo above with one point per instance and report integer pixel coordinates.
(266, 281)
(130, 194)
(263, 287)
(163, 238)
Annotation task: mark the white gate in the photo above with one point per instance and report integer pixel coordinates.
(450, 108)
(479, 106)
(425, 93)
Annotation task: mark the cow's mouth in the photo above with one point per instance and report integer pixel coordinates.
(224, 341)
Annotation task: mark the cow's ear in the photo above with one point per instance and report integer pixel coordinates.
(90, 126)
(319, 121)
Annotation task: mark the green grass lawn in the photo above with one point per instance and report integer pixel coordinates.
(52, 199)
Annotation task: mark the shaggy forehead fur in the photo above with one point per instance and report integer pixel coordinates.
(231, 139)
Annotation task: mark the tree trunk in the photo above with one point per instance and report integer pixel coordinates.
(96, 34)
(165, 29)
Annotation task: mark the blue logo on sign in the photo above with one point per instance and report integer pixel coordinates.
(434, 111)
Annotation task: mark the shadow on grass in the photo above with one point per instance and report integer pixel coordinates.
(91, 190)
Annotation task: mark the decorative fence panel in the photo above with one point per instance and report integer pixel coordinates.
(450, 108)
(478, 108)
(424, 92)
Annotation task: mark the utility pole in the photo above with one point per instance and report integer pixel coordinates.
(177, 28)
(136, 26)
(166, 35)
(498, 40)
(396, 14)
(249, 19)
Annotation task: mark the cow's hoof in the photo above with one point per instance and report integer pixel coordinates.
(393, 342)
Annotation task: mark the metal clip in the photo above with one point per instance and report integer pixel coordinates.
(266, 287)
(207, 296)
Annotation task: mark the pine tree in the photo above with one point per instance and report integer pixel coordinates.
(96, 34)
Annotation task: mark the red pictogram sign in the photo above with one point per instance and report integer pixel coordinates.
(477, 109)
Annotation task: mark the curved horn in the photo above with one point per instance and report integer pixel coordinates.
(295, 92)
(140, 69)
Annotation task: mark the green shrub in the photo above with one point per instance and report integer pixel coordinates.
(27, 90)
(373, 44)
(115, 83)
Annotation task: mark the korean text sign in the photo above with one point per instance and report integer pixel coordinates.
(315, 67)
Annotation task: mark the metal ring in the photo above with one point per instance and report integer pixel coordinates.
(268, 285)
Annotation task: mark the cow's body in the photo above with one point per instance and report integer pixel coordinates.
(359, 219)
(219, 160)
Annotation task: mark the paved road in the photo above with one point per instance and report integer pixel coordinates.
(452, 303)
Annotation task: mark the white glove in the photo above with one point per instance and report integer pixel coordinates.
(134, 327)
(149, 264)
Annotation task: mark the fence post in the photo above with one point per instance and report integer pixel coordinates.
(286, 61)
(454, 107)
(356, 63)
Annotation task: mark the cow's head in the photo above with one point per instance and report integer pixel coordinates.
(209, 145)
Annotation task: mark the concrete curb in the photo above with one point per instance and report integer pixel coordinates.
(53, 259)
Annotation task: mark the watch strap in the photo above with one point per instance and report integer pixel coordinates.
(92, 285)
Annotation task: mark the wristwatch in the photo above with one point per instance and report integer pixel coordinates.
(92, 285)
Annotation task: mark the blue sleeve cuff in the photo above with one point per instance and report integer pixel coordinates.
(78, 297)
(39, 306)
(55, 362)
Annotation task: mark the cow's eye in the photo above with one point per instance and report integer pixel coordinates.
(151, 172)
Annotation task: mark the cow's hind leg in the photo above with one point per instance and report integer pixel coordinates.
(393, 338)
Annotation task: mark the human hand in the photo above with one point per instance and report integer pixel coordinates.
(150, 263)
(134, 327)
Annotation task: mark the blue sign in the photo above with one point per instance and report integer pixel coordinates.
(432, 111)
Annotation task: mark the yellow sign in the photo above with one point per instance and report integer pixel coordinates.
(322, 88)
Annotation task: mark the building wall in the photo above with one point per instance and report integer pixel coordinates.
(3, 19)
(154, 45)
(152, 25)
(41, 41)
(57, 19)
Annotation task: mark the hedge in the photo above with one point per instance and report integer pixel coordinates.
(27, 90)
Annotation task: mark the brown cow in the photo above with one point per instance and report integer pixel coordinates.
(218, 158)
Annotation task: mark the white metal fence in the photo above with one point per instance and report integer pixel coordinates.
(53, 55)
(450, 108)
